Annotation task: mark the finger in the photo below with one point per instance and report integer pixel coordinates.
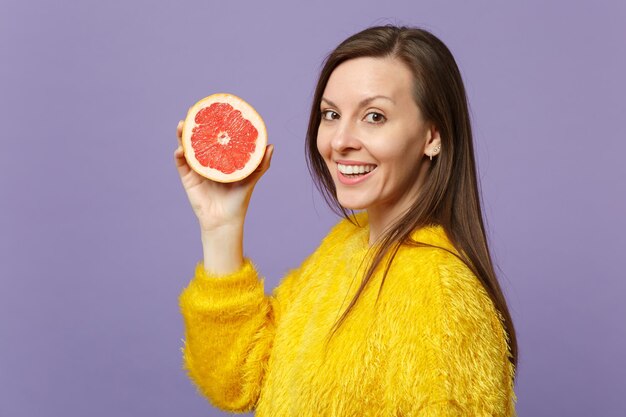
(265, 162)
(179, 131)
(264, 165)
(267, 158)
(179, 153)
(181, 162)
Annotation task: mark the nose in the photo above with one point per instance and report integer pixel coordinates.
(345, 139)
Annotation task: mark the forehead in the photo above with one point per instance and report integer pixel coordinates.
(362, 77)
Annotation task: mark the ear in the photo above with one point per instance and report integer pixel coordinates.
(432, 146)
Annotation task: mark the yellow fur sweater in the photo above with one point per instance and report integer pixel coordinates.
(433, 345)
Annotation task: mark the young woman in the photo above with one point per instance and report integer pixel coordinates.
(399, 311)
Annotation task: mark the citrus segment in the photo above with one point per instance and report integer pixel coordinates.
(222, 138)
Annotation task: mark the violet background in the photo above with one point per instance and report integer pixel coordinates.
(97, 238)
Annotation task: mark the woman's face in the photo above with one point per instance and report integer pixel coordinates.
(372, 135)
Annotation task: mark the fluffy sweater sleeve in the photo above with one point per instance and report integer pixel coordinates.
(229, 330)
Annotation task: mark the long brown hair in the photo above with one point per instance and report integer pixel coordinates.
(449, 196)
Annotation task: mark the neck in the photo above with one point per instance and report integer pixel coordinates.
(382, 216)
(377, 224)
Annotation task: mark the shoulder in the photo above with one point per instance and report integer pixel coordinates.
(432, 274)
(446, 327)
(431, 253)
(428, 253)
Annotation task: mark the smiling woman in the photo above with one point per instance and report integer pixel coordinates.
(427, 331)
(386, 132)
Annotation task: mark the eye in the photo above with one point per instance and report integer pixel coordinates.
(329, 115)
(374, 117)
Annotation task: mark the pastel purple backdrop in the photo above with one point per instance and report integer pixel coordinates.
(97, 238)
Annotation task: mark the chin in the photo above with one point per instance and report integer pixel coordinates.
(352, 203)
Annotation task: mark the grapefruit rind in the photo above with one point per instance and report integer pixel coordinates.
(247, 112)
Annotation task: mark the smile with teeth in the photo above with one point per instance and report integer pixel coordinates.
(355, 170)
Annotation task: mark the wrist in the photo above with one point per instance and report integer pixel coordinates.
(223, 231)
(223, 249)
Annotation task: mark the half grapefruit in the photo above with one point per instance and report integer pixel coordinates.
(223, 138)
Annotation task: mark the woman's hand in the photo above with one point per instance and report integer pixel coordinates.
(218, 205)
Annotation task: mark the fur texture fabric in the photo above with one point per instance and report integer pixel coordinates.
(433, 344)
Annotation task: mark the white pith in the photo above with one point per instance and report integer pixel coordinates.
(223, 138)
(355, 169)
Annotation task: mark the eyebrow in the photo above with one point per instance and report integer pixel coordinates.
(363, 102)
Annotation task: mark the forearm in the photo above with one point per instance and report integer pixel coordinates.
(229, 330)
(223, 249)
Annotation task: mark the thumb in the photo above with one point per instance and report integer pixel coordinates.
(267, 158)
(263, 166)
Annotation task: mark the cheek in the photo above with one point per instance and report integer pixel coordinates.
(398, 158)
(388, 151)
(323, 145)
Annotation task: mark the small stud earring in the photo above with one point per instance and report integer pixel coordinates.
(435, 151)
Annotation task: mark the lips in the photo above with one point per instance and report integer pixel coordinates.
(352, 172)
(355, 169)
